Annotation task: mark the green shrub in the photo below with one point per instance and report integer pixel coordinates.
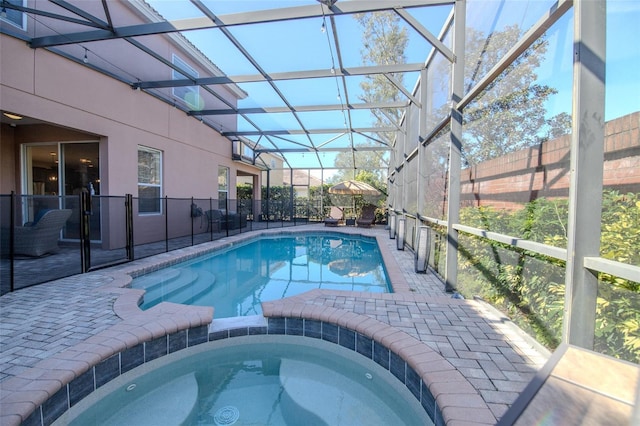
(618, 303)
(530, 288)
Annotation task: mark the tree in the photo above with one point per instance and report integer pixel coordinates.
(244, 191)
(510, 113)
(384, 42)
(370, 161)
(372, 179)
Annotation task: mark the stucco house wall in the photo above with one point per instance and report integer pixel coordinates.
(63, 100)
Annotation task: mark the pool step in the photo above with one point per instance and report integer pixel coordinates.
(151, 408)
(181, 286)
(191, 293)
(159, 286)
(154, 279)
(332, 401)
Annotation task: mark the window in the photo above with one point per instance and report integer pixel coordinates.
(149, 180)
(242, 152)
(190, 95)
(14, 17)
(223, 186)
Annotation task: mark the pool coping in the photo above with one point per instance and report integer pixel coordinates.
(39, 393)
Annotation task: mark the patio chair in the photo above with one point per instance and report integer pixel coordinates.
(221, 219)
(335, 217)
(40, 237)
(214, 217)
(367, 216)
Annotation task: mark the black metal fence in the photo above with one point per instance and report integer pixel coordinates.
(100, 231)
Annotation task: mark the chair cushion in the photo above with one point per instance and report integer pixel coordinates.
(37, 218)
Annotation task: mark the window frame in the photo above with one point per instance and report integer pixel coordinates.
(181, 92)
(23, 16)
(223, 187)
(159, 185)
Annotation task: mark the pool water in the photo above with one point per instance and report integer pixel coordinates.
(237, 280)
(257, 380)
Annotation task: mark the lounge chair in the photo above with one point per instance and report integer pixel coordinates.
(367, 216)
(40, 237)
(335, 217)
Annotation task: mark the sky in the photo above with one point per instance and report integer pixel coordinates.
(301, 45)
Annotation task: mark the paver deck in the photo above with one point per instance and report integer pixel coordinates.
(40, 322)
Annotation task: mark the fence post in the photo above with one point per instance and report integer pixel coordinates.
(240, 213)
(166, 224)
(209, 223)
(12, 224)
(190, 215)
(269, 207)
(226, 213)
(85, 232)
(268, 197)
(128, 213)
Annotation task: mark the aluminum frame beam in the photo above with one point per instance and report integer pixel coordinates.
(307, 131)
(586, 177)
(455, 150)
(254, 17)
(433, 40)
(299, 108)
(280, 76)
(553, 15)
(345, 149)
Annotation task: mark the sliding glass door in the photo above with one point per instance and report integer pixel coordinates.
(64, 170)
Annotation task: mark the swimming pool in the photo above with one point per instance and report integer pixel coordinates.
(235, 281)
(266, 380)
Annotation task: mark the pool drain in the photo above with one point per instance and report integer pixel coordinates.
(226, 416)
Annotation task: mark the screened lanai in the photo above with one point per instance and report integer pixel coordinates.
(505, 134)
(298, 65)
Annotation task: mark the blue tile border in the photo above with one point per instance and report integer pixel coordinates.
(108, 369)
(313, 328)
(82, 386)
(34, 419)
(329, 332)
(111, 368)
(364, 345)
(124, 361)
(132, 357)
(381, 355)
(347, 338)
(55, 406)
(198, 335)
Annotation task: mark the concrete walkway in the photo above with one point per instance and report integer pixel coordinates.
(39, 323)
